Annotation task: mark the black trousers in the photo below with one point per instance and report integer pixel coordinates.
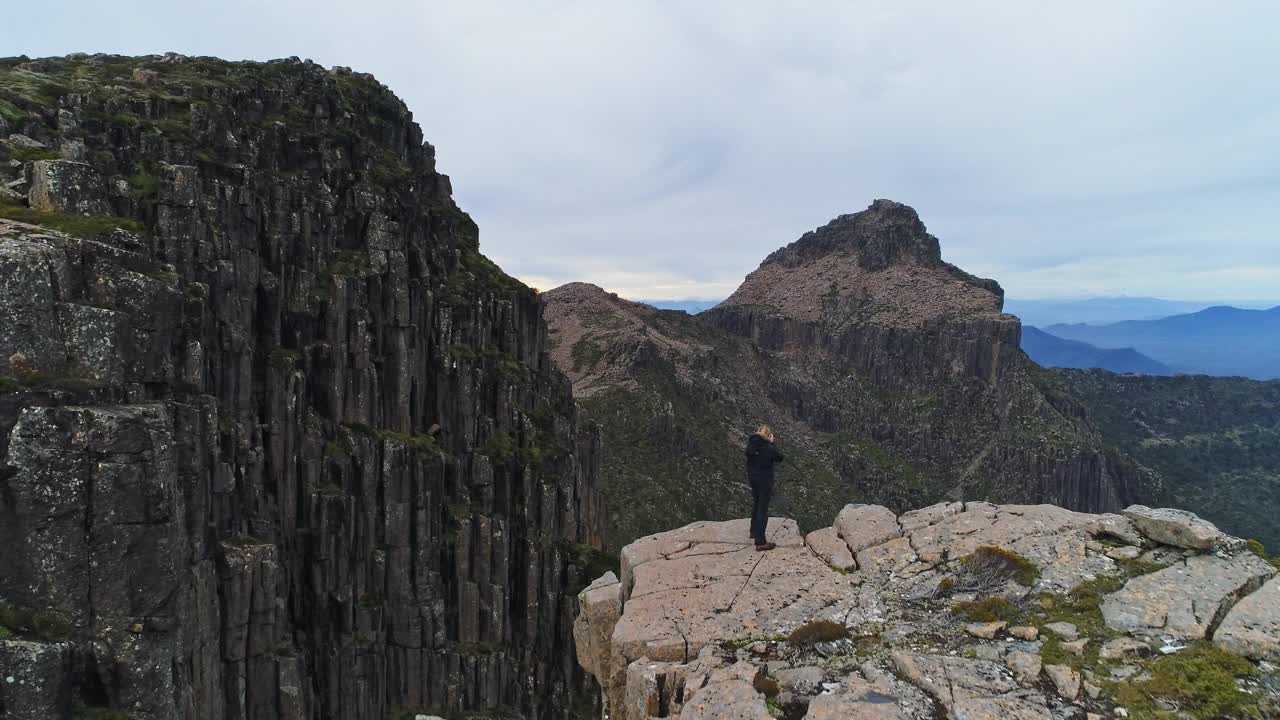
(761, 492)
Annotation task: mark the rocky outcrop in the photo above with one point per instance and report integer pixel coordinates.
(709, 622)
(276, 441)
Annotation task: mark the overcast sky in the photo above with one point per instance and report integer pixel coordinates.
(662, 149)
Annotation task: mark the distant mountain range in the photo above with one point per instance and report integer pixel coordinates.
(1214, 341)
(693, 307)
(1053, 351)
(1106, 310)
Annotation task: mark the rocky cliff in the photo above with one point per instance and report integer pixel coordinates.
(968, 611)
(891, 376)
(276, 440)
(1214, 440)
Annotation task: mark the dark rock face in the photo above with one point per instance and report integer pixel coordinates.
(294, 450)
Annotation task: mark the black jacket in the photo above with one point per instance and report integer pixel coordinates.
(761, 457)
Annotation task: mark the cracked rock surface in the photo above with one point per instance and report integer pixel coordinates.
(797, 635)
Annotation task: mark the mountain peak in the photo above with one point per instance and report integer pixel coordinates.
(881, 261)
(879, 236)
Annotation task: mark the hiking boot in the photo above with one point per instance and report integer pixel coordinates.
(766, 546)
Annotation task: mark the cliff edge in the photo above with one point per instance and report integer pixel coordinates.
(957, 610)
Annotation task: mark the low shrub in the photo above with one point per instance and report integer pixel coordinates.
(817, 631)
(1002, 563)
(987, 609)
(1200, 681)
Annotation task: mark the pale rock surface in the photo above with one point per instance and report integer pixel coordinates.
(1076, 647)
(703, 613)
(1064, 630)
(1182, 601)
(729, 693)
(864, 526)
(1025, 666)
(826, 543)
(1174, 527)
(986, 630)
(1123, 647)
(1024, 632)
(1065, 680)
(1252, 627)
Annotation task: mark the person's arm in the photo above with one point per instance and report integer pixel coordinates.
(777, 454)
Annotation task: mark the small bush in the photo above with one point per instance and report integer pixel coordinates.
(987, 609)
(818, 631)
(997, 564)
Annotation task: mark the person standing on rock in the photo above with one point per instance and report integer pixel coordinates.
(762, 455)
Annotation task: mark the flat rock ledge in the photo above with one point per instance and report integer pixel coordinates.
(863, 619)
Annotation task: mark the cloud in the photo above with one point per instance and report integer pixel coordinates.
(657, 147)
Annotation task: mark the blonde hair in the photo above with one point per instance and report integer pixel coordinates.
(764, 431)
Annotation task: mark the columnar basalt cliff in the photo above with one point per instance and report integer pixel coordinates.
(276, 440)
(966, 611)
(891, 376)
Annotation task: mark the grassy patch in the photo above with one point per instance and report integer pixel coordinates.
(49, 625)
(83, 226)
(70, 379)
(26, 154)
(1200, 681)
(987, 609)
(817, 631)
(1260, 550)
(282, 359)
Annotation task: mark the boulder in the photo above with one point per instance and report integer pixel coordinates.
(1174, 527)
(1252, 627)
(1024, 632)
(1183, 601)
(864, 526)
(68, 187)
